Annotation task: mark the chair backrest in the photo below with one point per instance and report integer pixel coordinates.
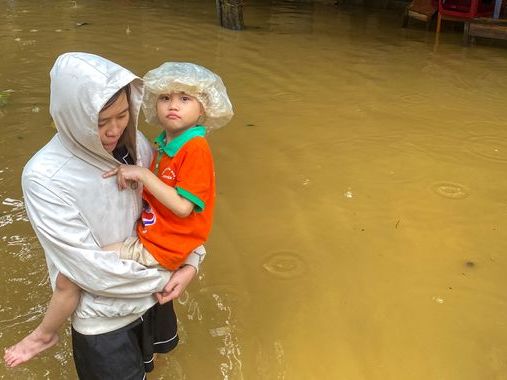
(466, 9)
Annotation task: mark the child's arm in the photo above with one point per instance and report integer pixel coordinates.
(165, 194)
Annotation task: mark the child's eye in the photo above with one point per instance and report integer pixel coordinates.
(185, 98)
(164, 98)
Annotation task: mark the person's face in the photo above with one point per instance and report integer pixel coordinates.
(177, 112)
(113, 121)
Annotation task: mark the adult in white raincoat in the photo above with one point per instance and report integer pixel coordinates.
(118, 323)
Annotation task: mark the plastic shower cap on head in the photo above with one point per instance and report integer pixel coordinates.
(194, 80)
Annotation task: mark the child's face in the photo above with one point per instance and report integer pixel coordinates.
(178, 112)
(113, 121)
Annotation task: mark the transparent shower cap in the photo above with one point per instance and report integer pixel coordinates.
(194, 80)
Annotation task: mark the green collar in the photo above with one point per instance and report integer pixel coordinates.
(173, 146)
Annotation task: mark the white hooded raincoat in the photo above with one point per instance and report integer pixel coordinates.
(74, 211)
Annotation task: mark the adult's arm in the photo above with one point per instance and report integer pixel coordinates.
(177, 284)
(71, 249)
(182, 277)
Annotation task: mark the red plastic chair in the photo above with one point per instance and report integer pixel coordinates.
(463, 10)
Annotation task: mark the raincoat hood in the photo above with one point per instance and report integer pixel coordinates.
(76, 101)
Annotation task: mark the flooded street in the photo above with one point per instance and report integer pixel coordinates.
(361, 216)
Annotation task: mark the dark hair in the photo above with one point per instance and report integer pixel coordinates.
(128, 138)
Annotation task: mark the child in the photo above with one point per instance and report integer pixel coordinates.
(186, 100)
(179, 188)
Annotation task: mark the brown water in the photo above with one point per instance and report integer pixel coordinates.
(360, 225)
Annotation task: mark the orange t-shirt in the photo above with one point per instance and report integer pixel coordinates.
(169, 238)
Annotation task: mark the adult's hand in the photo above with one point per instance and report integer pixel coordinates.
(177, 284)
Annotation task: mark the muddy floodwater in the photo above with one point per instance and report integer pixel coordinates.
(361, 218)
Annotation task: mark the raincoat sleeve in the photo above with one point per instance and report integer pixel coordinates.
(71, 249)
(196, 257)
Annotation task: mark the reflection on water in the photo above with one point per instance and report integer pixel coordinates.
(362, 174)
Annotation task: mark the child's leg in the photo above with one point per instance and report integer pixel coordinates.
(132, 249)
(113, 247)
(63, 303)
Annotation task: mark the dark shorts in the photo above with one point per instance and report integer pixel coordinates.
(126, 353)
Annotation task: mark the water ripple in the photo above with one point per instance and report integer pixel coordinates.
(450, 190)
(492, 148)
(285, 265)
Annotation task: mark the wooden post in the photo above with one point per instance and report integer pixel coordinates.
(466, 34)
(230, 14)
(439, 21)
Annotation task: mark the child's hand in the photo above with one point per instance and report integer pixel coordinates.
(126, 175)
